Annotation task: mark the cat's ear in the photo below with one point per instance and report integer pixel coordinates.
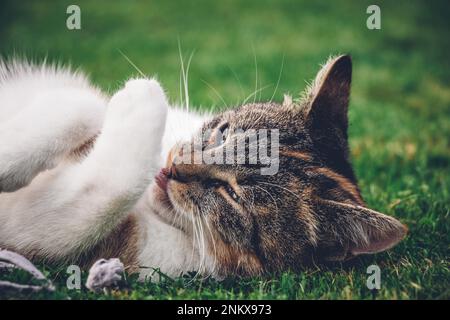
(349, 230)
(324, 114)
(328, 96)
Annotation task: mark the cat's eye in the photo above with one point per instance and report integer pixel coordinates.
(232, 193)
(216, 184)
(221, 134)
(213, 183)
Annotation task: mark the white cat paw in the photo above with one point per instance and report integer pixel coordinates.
(141, 97)
(134, 126)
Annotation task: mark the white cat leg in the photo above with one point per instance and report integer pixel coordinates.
(70, 208)
(54, 124)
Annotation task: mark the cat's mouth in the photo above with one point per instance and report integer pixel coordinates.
(162, 181)
(162, 178)
(171, 191)
(165, 195)
(168, 208)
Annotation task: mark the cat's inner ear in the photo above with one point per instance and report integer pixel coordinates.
(356, 230)
(329, 93)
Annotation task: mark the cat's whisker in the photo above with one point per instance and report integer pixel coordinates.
(214, 247)
(182, 72)
(283, 188)
(242, 94)
(267, 192)
(203, 256)
(184, 211)
(181, 90)
(256, 72)
(186, 84)
(253, 94)
(194, 236)
(199, 242)
(215, 92)
(180, 220)
(132, 64)
(198, 234)
(252, 202)
(279, 78)
(184, 76)
(204, 245)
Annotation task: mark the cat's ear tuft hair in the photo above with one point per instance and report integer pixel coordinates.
(328, 96)
(350, 230)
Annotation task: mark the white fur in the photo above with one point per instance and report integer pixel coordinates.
(57, 207)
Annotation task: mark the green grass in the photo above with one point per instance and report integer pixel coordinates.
(399, 112)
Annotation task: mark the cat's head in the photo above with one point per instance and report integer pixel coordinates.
(310, 210)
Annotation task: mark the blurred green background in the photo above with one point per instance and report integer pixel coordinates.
(399, 111)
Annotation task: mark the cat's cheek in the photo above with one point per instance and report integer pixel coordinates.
(231, 261)
(161, 197)
(175, 192)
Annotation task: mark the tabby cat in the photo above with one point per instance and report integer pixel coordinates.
(77, 179)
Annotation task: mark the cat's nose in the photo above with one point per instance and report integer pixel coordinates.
(173, 173)
(183, 172)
